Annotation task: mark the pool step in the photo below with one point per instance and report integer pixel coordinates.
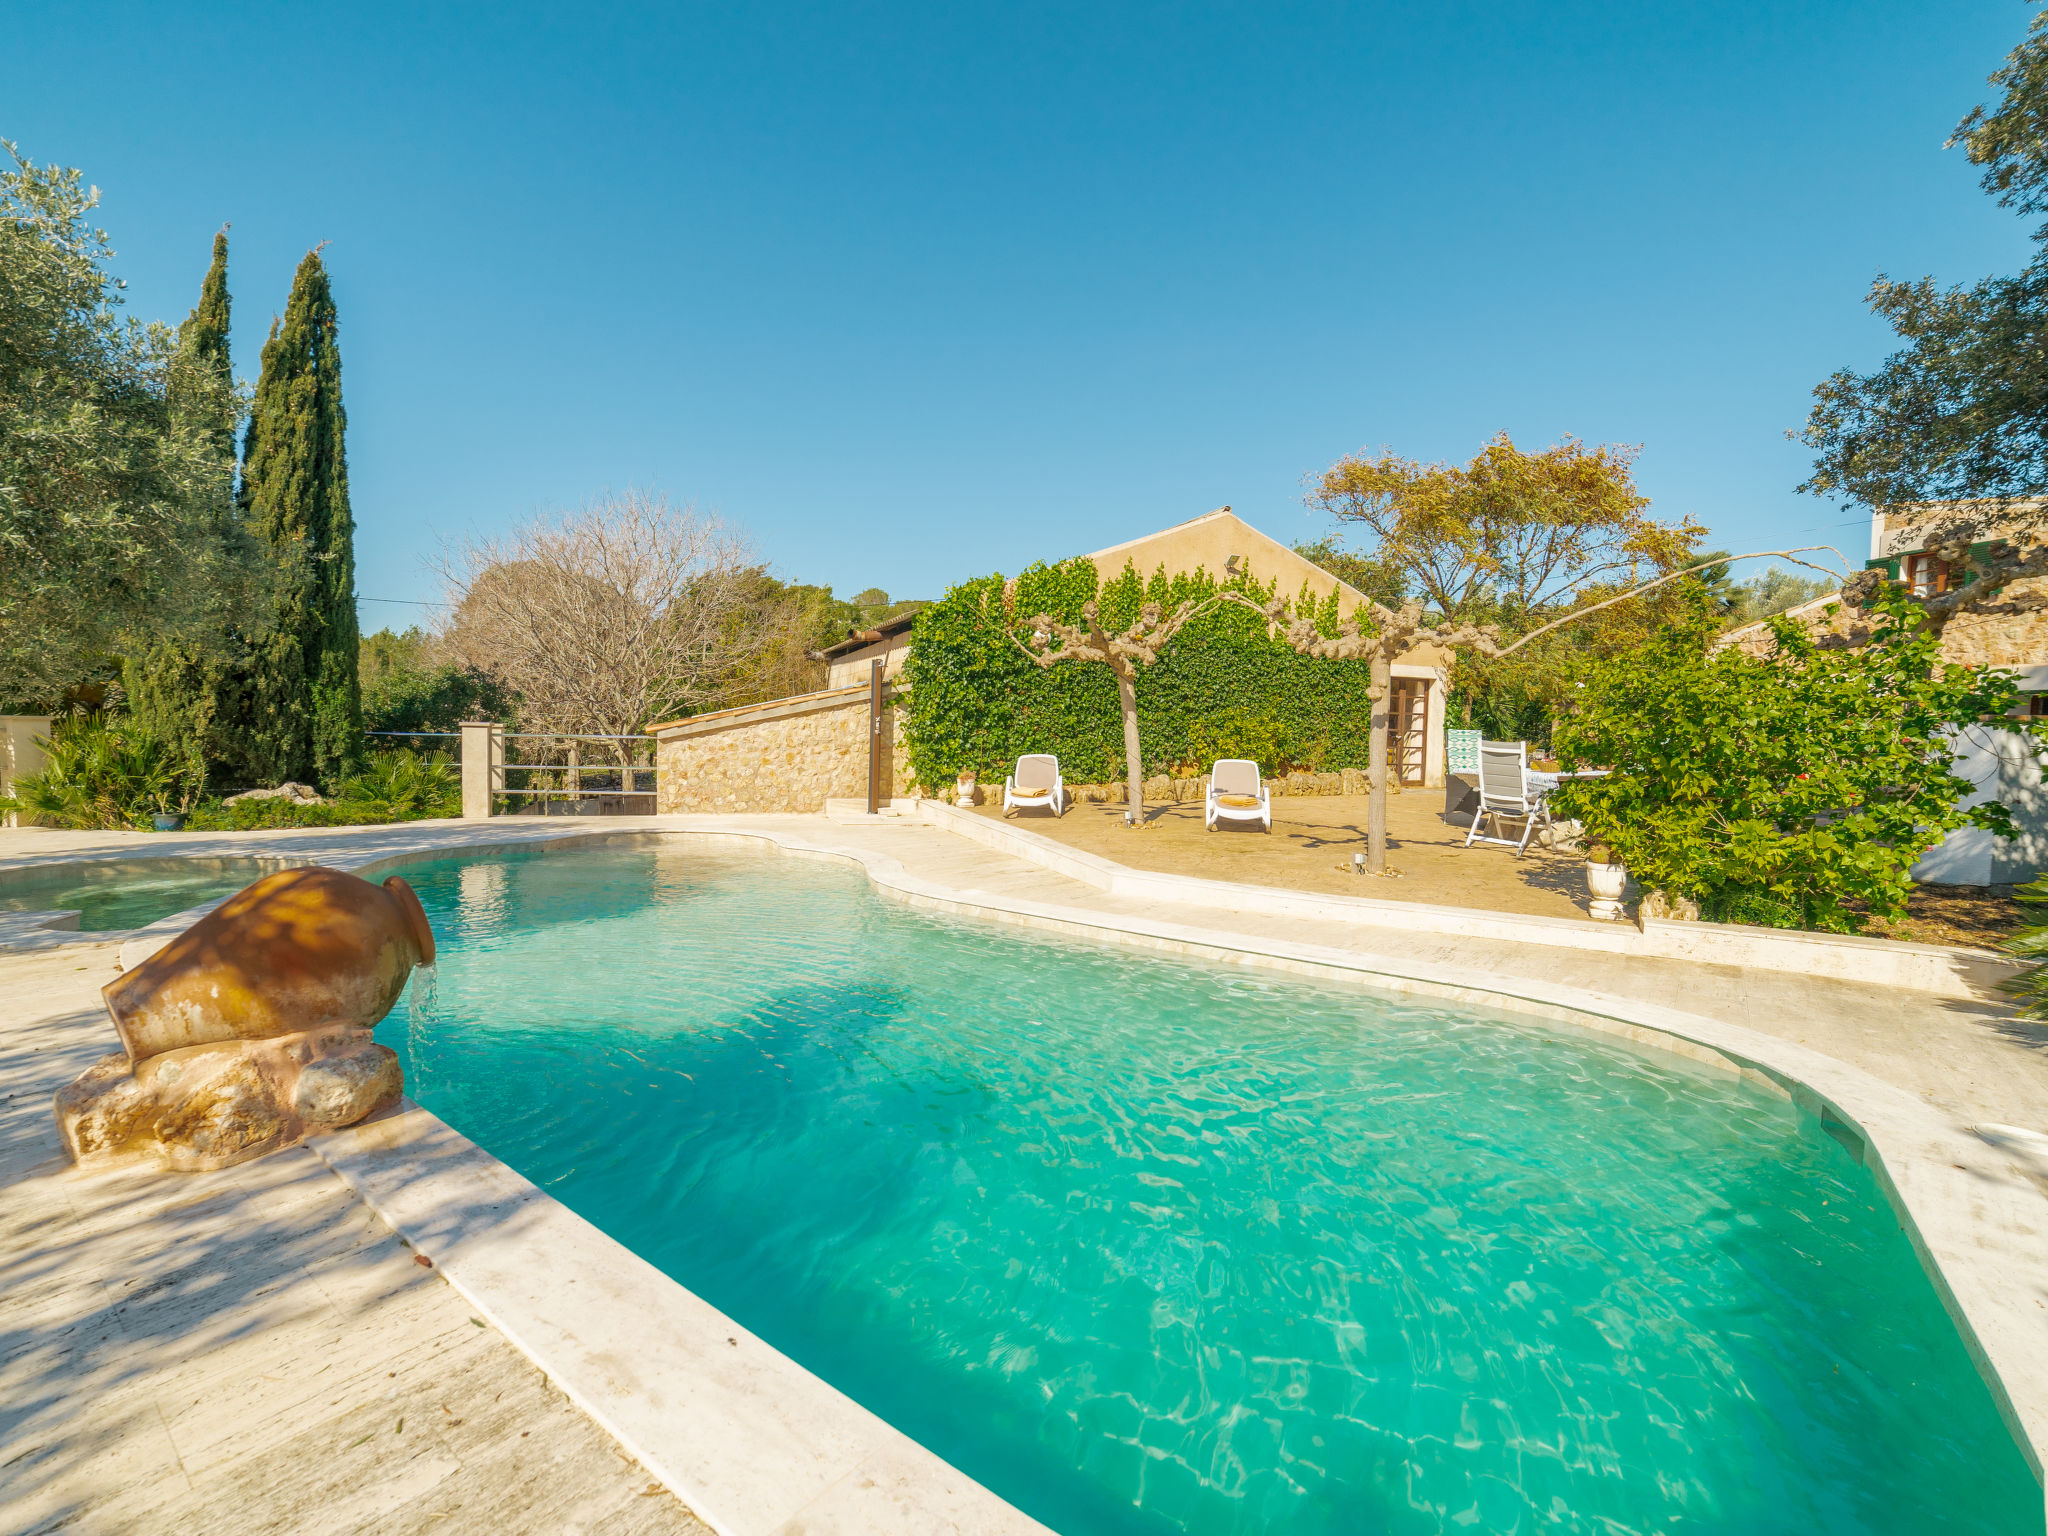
(856, 811)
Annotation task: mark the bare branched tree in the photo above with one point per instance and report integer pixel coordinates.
(608, 618)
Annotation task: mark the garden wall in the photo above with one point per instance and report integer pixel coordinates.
(19, 754)
(785, 755)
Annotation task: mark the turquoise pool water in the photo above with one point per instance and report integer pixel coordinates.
(121, 894)
(1152, 1247)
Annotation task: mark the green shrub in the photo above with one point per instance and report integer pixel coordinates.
(977, 701)
(395, 786)
(279, 814)
(104, 775)
(1240, 733)
(404, 691)
(1794, 790)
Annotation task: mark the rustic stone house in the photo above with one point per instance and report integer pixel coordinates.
(847, 663)
(793, 754)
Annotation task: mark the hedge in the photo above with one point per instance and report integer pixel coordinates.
(976, 701)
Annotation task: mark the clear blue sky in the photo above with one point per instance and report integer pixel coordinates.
(918, 292)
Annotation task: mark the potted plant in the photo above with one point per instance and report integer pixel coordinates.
(1606, 879)
(963, 788)
(167, 803)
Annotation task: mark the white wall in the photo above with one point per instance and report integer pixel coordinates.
(2003, 765)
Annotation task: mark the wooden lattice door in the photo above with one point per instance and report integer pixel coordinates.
(1407, 729)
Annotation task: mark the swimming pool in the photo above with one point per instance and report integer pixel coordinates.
(115, 894)
(1148, 1246)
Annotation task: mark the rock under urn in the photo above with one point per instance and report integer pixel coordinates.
(251, 1030)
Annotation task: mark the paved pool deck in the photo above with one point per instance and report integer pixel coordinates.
(252, 1350)
(174, 1326)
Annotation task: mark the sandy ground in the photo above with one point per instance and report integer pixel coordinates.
(1974, 916)
(1311, 845)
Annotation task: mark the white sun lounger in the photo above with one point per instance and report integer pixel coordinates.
(1036, 785)
(1236, 793)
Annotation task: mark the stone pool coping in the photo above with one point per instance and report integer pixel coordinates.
(1940, 969)
(754, 1443)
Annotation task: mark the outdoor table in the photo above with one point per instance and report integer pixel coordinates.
(1541, 784)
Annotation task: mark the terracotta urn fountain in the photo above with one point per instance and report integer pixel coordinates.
(250, 1031)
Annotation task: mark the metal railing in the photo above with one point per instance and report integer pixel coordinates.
(486, 771)
(573, 768)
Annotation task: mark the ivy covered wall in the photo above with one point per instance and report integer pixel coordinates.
(977, 701)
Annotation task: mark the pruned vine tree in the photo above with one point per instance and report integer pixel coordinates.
(1125, 653)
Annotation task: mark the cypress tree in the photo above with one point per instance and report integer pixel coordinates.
(304, 699)
(175, 687)
(203, 344)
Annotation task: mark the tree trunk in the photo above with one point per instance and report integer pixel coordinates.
(1376, 765)
(1134, 762)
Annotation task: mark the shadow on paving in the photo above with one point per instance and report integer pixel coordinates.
(254, 1350)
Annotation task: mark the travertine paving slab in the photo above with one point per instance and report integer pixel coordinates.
(253, 1350)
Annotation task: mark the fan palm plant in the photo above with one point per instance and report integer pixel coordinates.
(103, 776)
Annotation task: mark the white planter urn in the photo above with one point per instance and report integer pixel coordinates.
(1606, 882)
(963, 791)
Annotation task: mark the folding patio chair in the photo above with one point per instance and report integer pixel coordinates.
(1504, 790)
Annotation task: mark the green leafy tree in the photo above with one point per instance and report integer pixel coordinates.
(1377, 579)
(174, 686)
(1962, 409)
(1512, 539)
(1791, 790)
(409, 686)
(110, 504)
(302, 705)
(787, 625)
(1509, 536)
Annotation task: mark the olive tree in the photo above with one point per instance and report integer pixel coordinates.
(113, 504)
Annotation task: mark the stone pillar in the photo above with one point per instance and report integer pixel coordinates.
(483, 767)
(20, 754)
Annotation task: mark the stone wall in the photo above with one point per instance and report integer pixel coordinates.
(2011, 630)
(785, 755)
